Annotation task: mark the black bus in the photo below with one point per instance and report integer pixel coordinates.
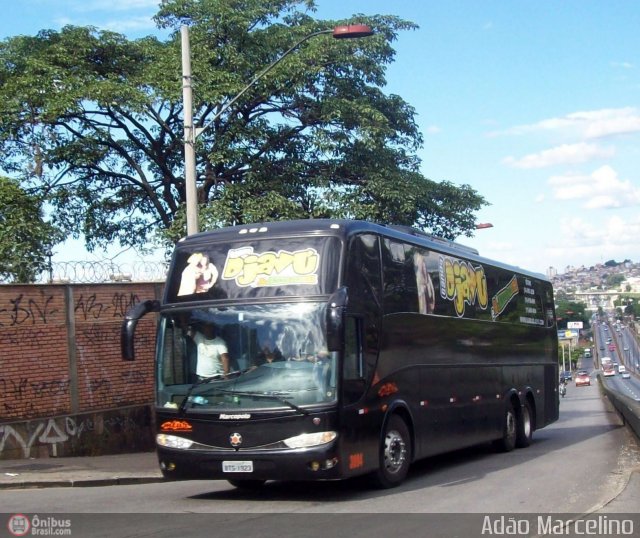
(343, 348)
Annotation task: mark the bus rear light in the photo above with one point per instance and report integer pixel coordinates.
(307, 440)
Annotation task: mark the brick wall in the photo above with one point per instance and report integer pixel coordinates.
(60, 353)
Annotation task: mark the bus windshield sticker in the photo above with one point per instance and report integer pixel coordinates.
(463, 284)
(282, 268)
(503, 297)
(426, 291)
(533, 314)
(198, 276)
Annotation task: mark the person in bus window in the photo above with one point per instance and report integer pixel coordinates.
(212, 352)
(269, 353)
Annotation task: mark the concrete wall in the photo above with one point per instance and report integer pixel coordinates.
(64, 389)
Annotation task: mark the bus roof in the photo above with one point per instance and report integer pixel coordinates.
(345, 228)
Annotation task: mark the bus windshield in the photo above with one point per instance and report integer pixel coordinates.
(230, 358)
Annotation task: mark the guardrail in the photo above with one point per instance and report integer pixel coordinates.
(627, 407)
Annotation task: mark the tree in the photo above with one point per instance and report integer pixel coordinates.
(571, 311)
(25, 238)
(614, 280)
(94, 120)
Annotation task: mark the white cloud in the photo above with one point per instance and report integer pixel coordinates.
(612, 239)
(613, 232)
(433, 129)
(561, 155)
(623, 65)
(602, 189)
(128, 24)
(116, 15)
(115, 5)
(585, 124)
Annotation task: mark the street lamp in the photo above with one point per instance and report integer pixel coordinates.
(349, 31)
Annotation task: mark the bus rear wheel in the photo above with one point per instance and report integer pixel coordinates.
(524, 431)
(509, 431)
(395, 454)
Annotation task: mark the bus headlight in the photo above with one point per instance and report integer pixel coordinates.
(307, 440)
(173, 441)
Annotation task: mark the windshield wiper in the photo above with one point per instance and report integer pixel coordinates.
(273, 396)
(183, 405)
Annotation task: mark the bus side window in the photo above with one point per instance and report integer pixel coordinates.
(175, 367)
(353, 366)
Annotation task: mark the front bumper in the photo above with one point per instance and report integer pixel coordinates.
(303, 464)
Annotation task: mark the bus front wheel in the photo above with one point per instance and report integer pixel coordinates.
(395, 454)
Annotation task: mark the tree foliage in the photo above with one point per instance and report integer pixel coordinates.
(95, 122)
(614, 280)
(25, 238)
(571, 311)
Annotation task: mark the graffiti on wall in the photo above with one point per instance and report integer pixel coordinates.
(91, 307)
(53, 431)
(22, 395)
(49, 368)
(23, 310)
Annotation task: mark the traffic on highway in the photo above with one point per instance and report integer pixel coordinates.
(617, 356)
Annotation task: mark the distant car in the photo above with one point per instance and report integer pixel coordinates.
(622, 369)
(566, 376)
(612, 347)
(625, 375)
(582, 378)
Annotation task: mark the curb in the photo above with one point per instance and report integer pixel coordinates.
(91, 482)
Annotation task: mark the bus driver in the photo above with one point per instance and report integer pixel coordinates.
(212, 352)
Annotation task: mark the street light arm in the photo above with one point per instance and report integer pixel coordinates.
(190, 132)
(256, 78)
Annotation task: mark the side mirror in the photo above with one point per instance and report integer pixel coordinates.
(335, 319)
(129, 323)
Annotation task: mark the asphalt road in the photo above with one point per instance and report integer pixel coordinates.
(575, 466)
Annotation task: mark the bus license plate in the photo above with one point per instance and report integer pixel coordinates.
(237, 466)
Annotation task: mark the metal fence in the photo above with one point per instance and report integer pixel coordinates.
(94, 272)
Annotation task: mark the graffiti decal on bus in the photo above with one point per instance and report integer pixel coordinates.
(501, 299)
(463, 284)
(281, 268)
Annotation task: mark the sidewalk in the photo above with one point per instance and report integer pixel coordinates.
(137, 468)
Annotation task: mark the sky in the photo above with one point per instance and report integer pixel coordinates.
(534, 104)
